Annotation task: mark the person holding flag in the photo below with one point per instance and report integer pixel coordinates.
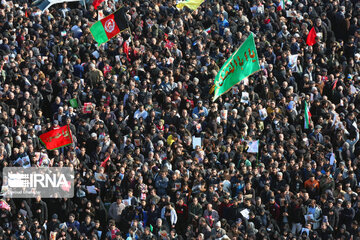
(242, 63)
(110, 26)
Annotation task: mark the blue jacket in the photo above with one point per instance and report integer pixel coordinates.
(78, 70)
(161, 185)
(75, 224)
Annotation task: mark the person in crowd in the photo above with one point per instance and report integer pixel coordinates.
(154, 157)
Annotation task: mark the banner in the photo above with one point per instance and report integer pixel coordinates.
(192, 4)
(23, 162)
(293, 61)
(73, 102)
(57, 138)
(100, 14)
(253, 147)
(4, 205)
(240, 65)
(87, 107)
(168, 44)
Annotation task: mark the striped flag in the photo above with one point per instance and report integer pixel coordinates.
(208, 30)
(110, 26)
(281, 5)
(307, 116)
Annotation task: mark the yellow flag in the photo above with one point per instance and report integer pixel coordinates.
(192, 4)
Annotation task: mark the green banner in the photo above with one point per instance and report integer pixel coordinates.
(240, 65)
(74, 103)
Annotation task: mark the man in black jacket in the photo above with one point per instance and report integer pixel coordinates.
(40, 210)
(296, 215)
(325, 231)
(347, 215)
(54, 223)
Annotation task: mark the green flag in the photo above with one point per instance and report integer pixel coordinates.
(74, 103)
(240, 65)
(307, 119)
(151, 228)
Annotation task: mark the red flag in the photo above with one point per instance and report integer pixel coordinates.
(135, 53)
(335, 83)
(97, 3)
(208, 30)
(4, 205)
(26, 14)
(126, 50)
(57, 138)
(311, 38)
(103, 164)
(169, 44)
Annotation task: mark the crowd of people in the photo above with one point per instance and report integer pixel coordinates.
(136, 104)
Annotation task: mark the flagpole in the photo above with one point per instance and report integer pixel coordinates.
(132, 39)
(127, 23)
(257, 155)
